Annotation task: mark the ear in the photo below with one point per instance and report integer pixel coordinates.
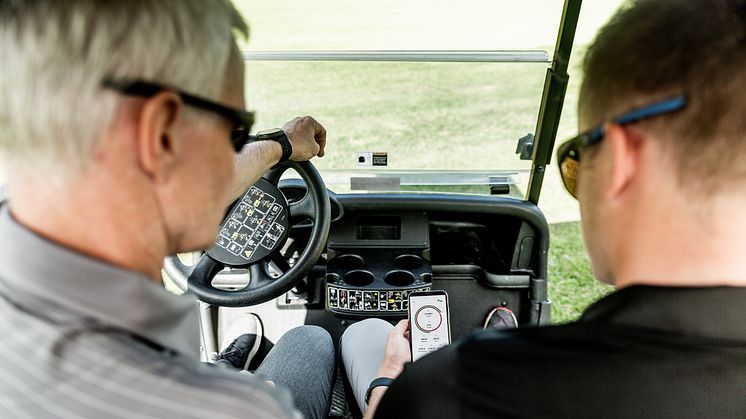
(624, 147)
(156, 148)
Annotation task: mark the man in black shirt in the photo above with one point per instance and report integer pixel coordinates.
(659, 174)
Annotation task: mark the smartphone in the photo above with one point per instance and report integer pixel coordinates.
(429, 322)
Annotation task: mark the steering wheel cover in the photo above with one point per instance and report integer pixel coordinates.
(262, 287)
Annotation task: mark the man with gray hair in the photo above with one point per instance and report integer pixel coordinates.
(119, 121)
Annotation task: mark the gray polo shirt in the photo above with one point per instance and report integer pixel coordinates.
(82, 338)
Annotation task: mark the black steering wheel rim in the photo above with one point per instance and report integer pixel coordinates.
(263, 287)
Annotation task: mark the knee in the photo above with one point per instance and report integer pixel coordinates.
(314, 339)
(364, 328)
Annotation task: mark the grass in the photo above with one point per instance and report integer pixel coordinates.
(423, 114)
(571, 283)
(429, 115)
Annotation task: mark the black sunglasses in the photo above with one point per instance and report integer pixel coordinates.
(242, 120)
(568, 154)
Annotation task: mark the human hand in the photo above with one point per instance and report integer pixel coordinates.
(307, 137)
(397, 352)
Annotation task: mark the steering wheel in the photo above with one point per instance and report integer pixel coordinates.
(253, 233)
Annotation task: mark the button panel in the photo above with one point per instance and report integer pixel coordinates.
(359, 301)
(255, 226)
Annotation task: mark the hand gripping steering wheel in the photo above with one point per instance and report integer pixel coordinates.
(252, 234)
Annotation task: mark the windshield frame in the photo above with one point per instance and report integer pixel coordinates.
(539, 147)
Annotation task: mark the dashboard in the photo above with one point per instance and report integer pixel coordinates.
(485, 251)
(375, 259)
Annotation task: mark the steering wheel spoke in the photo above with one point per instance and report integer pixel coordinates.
(301, 210)
(280, 262)
(260, 278)
(205, 269)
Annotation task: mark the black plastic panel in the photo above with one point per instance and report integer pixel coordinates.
(380, 229)
(488, 250)
(375, 281)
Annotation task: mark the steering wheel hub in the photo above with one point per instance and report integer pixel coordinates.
(256, 226)
(253, 233)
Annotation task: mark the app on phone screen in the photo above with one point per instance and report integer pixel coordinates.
(428, 324)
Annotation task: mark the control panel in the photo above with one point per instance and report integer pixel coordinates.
(375, 262)
(348, 301)
(256, 225)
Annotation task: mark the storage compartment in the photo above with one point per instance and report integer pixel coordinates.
(349, 262)
(408, 262)
(359, 278)
(399, 278)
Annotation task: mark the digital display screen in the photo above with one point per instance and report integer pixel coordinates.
(429, 329)
(378, 228)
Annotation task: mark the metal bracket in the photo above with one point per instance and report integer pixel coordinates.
(525, 147)
(541, 312)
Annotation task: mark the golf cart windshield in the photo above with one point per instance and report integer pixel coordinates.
(415, 95)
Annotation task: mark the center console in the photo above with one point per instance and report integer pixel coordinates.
(375, 261)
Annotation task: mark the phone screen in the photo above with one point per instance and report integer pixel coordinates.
(428, 322)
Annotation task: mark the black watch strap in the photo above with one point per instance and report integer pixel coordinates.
(380, 381)
(278, 135)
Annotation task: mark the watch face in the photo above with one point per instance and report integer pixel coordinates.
(269, 132)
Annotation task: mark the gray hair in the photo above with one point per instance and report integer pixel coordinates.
(55, 54)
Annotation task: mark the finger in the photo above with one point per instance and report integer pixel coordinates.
(315, 152)
(319, 134)
(399, 329)
(402, 326)
(321, 139)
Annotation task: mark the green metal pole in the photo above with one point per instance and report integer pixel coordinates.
(555, 86)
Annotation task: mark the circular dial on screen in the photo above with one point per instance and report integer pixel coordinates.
(428, 318)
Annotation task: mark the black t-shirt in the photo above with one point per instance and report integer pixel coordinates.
(639, 352)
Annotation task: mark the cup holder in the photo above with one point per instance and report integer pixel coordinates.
(359, 278)
(399, 278)
(348, 262)
(408, 262)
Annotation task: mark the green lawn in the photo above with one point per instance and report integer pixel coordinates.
(429, 115)
(571, 284)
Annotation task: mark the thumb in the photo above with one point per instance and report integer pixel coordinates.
(402, 326)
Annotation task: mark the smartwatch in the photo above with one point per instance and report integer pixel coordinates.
(278, 135)
(378, 382)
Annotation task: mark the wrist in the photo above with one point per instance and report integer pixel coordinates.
(272, 149)
(377, 386)
(279, 137)
(389, 371)
(376, 394)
